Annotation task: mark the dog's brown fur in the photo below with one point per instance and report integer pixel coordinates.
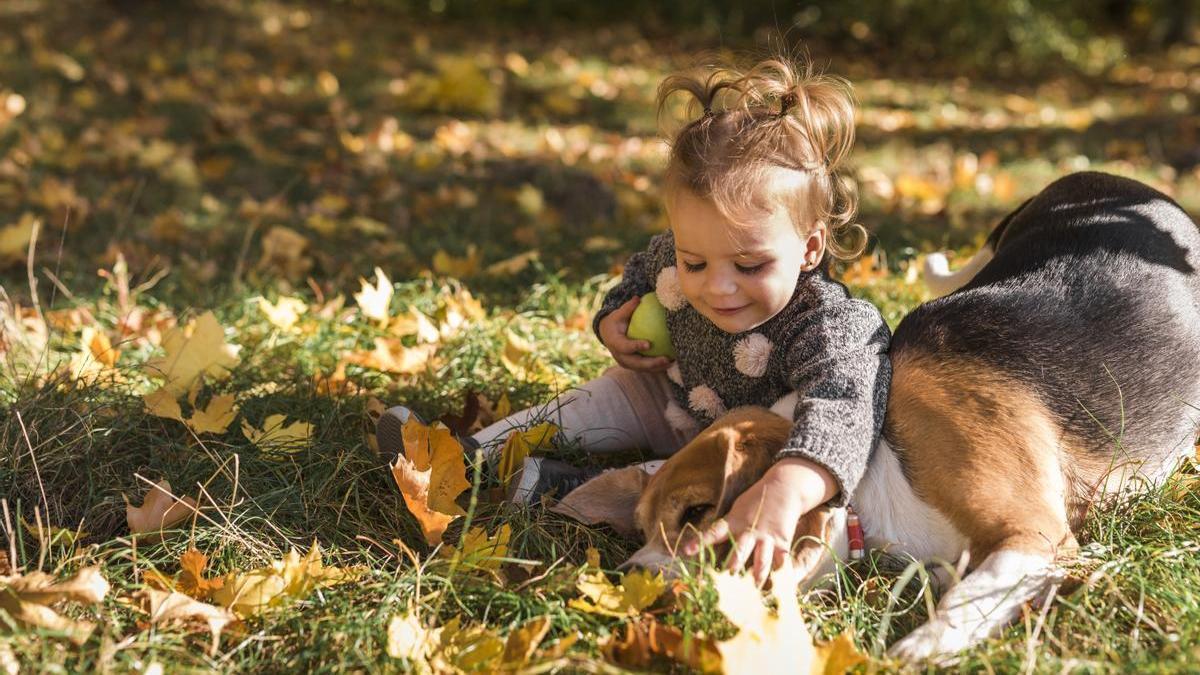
(981, 449)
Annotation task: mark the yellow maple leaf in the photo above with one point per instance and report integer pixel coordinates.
(284, 312)
(431, 474)
(414, 322)
(374, 300)
(408, 638)
(14, 239)
(160, 510)
(520, 444)
(192, 351)
(457, 309)
(216, 417)
(275, 435)
(292, 577)
(163, 404)
(637, 591)
(520, 358)
(49, 534)
(390, 355)
(481, 550)
(190, 580)
(447, 265)
(774, 641)
(27, 599)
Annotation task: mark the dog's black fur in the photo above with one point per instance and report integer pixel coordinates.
(1093, 301)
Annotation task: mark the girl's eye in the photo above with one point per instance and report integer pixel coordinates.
(751, 269)
(693, 267)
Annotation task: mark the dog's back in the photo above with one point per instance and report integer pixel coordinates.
(1092, 299)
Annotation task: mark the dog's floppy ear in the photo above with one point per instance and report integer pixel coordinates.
(750, 449)
(609, 498)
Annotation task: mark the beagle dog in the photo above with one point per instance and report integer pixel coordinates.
(1063, 371)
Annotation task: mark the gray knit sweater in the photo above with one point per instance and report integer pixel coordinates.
(824, 345)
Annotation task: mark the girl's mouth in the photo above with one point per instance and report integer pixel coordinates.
(730, 311)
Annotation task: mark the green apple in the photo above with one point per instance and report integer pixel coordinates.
(649, 323)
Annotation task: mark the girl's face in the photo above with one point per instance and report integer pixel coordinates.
(739, 276)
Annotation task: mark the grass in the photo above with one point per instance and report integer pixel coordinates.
(228, 129)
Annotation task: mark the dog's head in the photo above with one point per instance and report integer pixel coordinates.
(691, 490)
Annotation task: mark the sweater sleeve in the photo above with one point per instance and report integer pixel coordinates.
(639, 276)
(840, 370)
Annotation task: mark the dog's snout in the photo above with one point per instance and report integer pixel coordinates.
(631, 566)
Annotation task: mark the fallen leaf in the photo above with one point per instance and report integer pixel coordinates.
(14, 239)
(284, 312)
(480, 550)
(275, 436)
(647, 643)
(283, 253)
(27, 599)
(374, 300)
(163, 404)
(514, 264)
(390, 355)
(166, 607)
(476, 414)
(96, 357)
(293, 577)
(159, 510)
(637, 591)
(520, 444)
(467, 648)
(407, 638)
(503, 407)
(457, 309)
(192, 351)
(431, 474)
(191, 575)
(414, 322)
(523, 642)
(774, 642)
(520, 358)
(214, 418)
(48, 534)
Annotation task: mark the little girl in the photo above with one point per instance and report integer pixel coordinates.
(757, 205)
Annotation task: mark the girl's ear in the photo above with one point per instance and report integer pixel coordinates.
(814, 246)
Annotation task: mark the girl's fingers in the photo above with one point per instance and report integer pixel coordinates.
(743, 547)
(764, 557)
(626, 310)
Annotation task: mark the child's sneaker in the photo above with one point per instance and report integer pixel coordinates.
(389, 434)
(544, 476)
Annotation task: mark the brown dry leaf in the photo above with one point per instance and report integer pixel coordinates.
(195, 350)
(191, 580)
(447, 265)
(637, 591)
(477, 413)
(27, 599)
(648, 642)
(521, 444)
(513, 265)
(96, 358)
(431, 474)
(283, 253)
(166, 607)
(457, 309)
(391, 356)
(159, 510)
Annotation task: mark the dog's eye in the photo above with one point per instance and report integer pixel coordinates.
(693, 514)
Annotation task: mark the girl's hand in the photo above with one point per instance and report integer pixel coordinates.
(624, 350)
(762, 521)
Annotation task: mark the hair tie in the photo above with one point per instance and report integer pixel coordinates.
(786, 102)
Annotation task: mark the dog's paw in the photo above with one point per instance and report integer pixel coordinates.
(936, 642)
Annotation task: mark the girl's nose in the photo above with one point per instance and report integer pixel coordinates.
(720, 284)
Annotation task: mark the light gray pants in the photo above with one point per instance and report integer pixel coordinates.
(622, 409)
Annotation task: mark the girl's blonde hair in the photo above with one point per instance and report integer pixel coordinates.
(774, 135)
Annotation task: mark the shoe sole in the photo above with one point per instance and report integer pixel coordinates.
(389, 435)
(525, 481)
